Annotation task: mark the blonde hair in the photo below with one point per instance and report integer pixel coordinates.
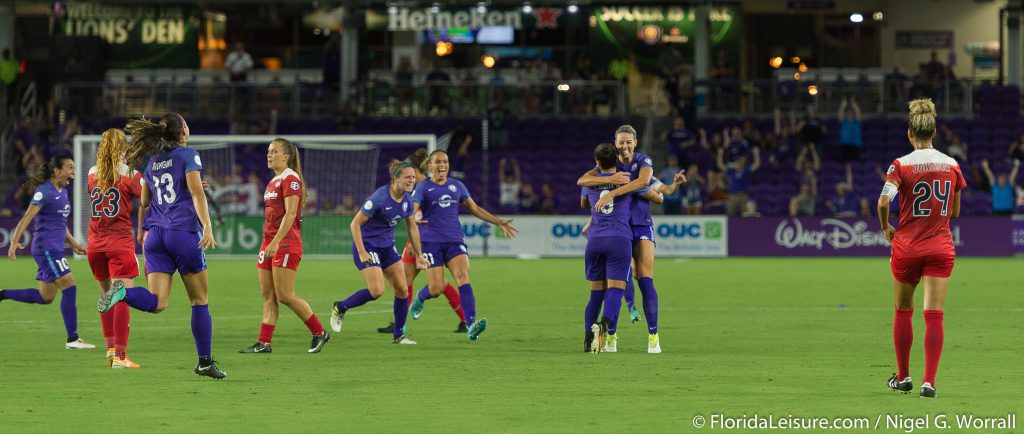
(109, 157)
(290, 149)
(922, 118)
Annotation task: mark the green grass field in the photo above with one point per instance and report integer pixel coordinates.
(801, 337)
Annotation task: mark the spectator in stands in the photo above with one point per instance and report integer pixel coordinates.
(403, 82)
(844, 204)
(722, 68)
(548, 200)
(508, 190)
(895, 86)
(812, 130)
(694, 195)
(672, 65)
(71, 129)
(957, 149)
(804, 203)
(458, 145)
(347, 206)
(673, 202)
(1016, 149)
(24, 140)
(679, 139)
(850, 130)
(1002, 188)
(807, 165)
(528, 200)
(738, 146)
(785, 148)
(497, 118)
(238, 63)
(750, 210)
(738, 175)
(752, 135)
(935, 69)
(438, 82)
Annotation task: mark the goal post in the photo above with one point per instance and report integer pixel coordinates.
(340, 171)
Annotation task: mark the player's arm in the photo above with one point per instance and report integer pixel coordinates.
(673, 187)
(357, 235)
(654, 196)
(30, 214)
(590, 179)
(955, 212)
(195, 186)
(291, 210)
(145, 198)
(641, 182)
(888, 192)
(414, 237)
(482, 214)
(73, 242)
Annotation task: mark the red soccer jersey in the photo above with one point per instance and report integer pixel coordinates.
(110, 209)
(283, 185)
(927, 181)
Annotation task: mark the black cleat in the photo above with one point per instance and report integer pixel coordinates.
(927, 391)
(318, 342)
(258, 347)
(209, 368)
(461, 328)
(390, 328)
(588, 339)
(905, 386)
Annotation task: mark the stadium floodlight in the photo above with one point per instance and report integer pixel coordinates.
(856, 17)
(481, 8)
(573, 8)
(527, 8)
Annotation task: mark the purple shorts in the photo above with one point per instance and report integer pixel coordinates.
(608, 258)
(52, 265)
(438, 254)
(382, 257)
(643, 233)
(170, 250)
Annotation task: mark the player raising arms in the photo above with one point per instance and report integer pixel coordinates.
(51, 204)
(178, 225)
(437, 198)
(374, 252)
(112, 187)
(929, 184)
(281, 251)
(635, 175)
(409, 259)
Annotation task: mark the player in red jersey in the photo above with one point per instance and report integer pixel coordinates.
(282, 247)
(417, 160)
(929, 184)
(111, 251)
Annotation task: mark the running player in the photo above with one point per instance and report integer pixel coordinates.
(281, 251)
(409, 259)
(929, 184)
(178, 225)
(609, 250)
(374, 252)
(442, 237)
(635, 174)
(112, 188)
(51, 203)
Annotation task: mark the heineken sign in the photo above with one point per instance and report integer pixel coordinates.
(397, 19)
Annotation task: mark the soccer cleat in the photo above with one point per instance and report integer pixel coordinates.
(124, 363)
(417, 308)
(597, 344)
(258, 347)
(588, 340)
(110, 356)
(653, 344)
(611, 344)
(210, 370)
(115, 294)
(390, 328)
(318, 342)
(927, 391)
(905, 385)
(403, 340)
(336, 316)
(476, 329)
(634, 315)
(78, 344)
(461, 328)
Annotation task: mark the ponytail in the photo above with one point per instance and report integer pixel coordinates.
(109, 157)
(294, 162)
(149, 137)
(43, 173)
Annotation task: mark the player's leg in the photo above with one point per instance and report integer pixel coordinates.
(411, 271)
(459, 268)
(122, 267)
(284, 286)
(906, 273)
(434, 254)
(98, 263)
(643, 251)
(160, 266)
(594, 263)
(270, 311)
(618, 256)
(68, 308)
(936, 270)
(634, 313)
(190, 261)
(395, 275)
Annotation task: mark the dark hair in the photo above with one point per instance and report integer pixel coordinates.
(418, 158)
(43, 173)
(149, 137)
(626, 129)
(606, 156)
(426, 163)
(294, 162)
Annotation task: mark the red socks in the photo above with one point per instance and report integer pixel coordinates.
(121, 319)
(903, 339)
(452, 295)
(266, 333)
(314, 326)
(933, 337)
(107, 323)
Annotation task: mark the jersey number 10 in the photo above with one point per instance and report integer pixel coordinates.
(924, 191)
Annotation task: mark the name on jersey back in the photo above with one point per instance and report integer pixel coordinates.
(931, 167)
(161, 165)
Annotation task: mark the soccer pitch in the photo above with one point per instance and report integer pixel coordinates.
(800, 337)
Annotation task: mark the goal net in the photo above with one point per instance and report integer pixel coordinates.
(340, 172)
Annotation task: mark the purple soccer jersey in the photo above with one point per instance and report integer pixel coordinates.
(51, 223)
(172, 206)
(384, 214)
(640, 208)
(440, 206)
(613, 219)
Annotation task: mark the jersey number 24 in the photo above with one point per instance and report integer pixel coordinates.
(924, 191)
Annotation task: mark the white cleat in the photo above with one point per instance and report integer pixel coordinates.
(611, 344)
(403, 340)
(653, 344)
(598, 342)
(336, 319)
(79, 345)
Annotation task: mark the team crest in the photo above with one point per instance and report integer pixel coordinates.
(368, 205)
(198, 161)
(295, 185)
(648, 161)
(405, 207)
(634, 166)
(453, 188)
(38, 196)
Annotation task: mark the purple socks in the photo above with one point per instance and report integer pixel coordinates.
(28, 295)
(650, 303)
(357, 299)
(468, 303)
(593, 308)
(140, 298)
(612, 306)
(202, 330)
(69, 311)
(630, 293)
(401, 308)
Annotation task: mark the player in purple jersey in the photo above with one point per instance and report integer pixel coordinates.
(178, 228)
(635, 172)
(438, 199)
(374, 252)
(50, 203)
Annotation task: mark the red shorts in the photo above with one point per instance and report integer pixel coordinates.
(910, 269)
(289, 260)
(118, 265)
(407, 256)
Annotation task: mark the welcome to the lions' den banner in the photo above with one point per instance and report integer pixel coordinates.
(137, 36)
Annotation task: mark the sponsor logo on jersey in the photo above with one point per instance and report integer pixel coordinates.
(66, 211)
(270, 195)
(166, 164)
(445, 201)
